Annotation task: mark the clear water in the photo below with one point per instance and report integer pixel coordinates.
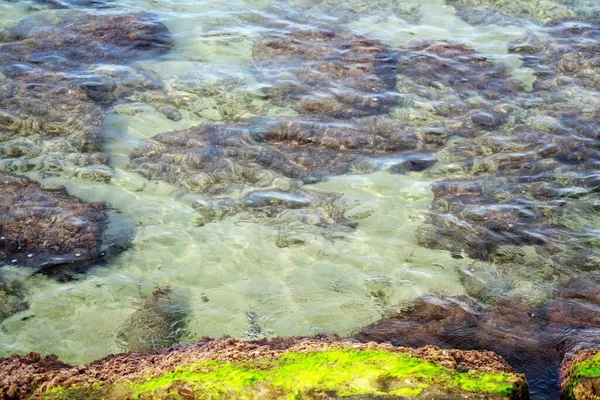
(228, 270)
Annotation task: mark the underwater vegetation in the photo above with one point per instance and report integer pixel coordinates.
(346, 11)
(325, 70)
(300, 368)
(158, 323)
(60, 64)
(478, 12)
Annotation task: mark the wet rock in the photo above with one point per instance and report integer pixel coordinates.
(216, 159)
(67, 38)
(326, 70)
(346, 11)
(511, 327)
(563, 49)
(415, 162)
(293, 214)
(506, 12)
(48, 230)
(428, 372)
(160, 322)
(580, 375)
(12, 297)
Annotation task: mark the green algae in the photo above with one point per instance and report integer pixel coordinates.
(589, 368)
(341, 373)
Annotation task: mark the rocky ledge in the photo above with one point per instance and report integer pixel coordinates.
(315, 368)
(580, 375)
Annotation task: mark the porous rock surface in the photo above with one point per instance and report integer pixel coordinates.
(32, 375)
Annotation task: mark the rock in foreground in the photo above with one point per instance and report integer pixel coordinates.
(580, 376)
(313, 369)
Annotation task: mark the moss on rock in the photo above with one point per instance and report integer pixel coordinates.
(331, 373)
(581, 376)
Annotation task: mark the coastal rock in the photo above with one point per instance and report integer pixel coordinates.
(580, 375)
(218, 158)
(326, 70)
(72, 38)
(312, 368)
(534, 339)
(48, 230)
(504, 12)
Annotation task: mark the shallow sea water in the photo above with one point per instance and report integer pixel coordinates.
(231, 273)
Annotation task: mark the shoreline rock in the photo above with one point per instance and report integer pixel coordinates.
(320, 367)
(580, 375)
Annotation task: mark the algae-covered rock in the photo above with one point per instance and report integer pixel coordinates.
(349, 10)
(580, 375)
(158, 323)
(510, 12)
(48, 230)
(311, 369)
(326, 70)
(12, 297)
(218, 158)
(292, 213)
(70, 38)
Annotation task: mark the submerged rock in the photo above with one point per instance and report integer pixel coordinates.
(12, 297)
(292, 213)
(508, 12)
(562, 54)
(326, 70)
(37, 112)
(348, 10)
(159, 322)
(48, 230)
(74, 38)
(53, 95)
(218, 158)
(270, 370)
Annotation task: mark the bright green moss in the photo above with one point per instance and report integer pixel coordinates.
(589, 368)
(302, 375)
